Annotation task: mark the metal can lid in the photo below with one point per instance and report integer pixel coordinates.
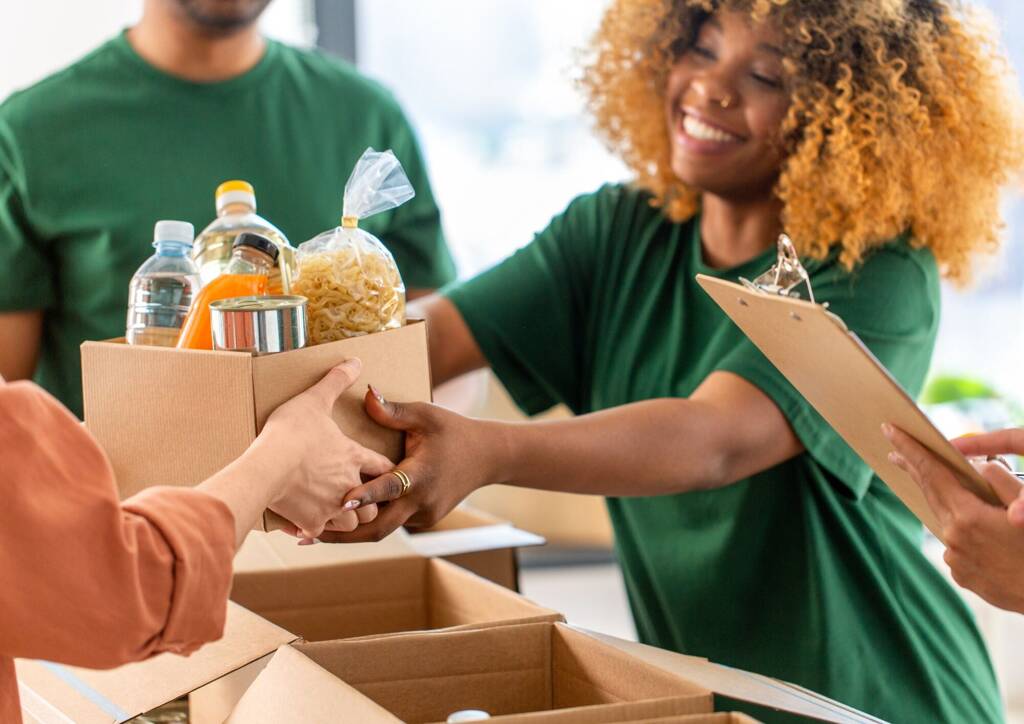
(259, 304)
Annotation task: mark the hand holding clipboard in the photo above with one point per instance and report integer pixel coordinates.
(839, 376)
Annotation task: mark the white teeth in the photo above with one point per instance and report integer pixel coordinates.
(703, 132)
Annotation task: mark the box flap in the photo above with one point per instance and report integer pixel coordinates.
(144, 429)
(294, 689)
(395, 361)
(434, 544)
(742, 685)
(58, 693)
(277, 551)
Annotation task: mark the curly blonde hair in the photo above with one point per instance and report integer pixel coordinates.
(903, 118)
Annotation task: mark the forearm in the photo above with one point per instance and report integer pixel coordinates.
(248, 486)
(654, 447)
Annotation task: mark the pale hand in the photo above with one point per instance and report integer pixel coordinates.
(984, 543)
(319, 463)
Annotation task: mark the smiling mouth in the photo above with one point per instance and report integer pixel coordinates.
(692, 127)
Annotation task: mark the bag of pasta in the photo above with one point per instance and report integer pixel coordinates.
(349, 277)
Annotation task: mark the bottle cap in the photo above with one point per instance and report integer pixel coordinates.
(235, 192)
(179, 231)
(257, 241)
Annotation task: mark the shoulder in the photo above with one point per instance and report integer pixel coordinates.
(49, 97)
(334, 74)
(895, 288)
(612, 203)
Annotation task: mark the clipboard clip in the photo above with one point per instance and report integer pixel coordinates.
(785, 276)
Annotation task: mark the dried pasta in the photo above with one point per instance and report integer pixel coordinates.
(353, 287)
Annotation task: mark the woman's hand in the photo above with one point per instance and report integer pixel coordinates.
(316, 462)
(984, 549)
(447, 457)
(1003, 442)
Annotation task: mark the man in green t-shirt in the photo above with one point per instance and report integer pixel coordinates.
(144, 128)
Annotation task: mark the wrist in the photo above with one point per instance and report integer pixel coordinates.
(500, 445)
(265, 466)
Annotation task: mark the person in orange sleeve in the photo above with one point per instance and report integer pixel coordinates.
(92, 581)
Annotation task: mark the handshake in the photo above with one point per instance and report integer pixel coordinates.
(328, 487)
(310, 465)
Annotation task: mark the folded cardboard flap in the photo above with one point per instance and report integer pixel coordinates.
(476, 541)
(378, 597)
(503, 670)
(57, 693)
(716, 718)
(742, 685)
(174, 417)
(363, 598)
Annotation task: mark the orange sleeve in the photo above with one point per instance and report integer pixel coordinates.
(87, 580)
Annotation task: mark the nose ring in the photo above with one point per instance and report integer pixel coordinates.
(726, 101)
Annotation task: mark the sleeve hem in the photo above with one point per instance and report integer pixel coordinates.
(814, 433)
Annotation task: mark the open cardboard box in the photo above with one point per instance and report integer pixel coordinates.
(175, 417)
(476, 541)
(606, 679)
(358, 599)
(536, 672)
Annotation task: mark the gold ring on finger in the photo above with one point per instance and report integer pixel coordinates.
(404, 480)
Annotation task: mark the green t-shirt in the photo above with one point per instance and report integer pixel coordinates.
(811, 571)
(92, 156)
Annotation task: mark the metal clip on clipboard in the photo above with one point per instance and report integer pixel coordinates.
(785, 276)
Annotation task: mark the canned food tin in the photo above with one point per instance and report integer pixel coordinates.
(260, 325)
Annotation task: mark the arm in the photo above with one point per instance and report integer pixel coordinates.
(20, 337)
(453, 350)
(113, 582)
(984, 543)
(726, 431)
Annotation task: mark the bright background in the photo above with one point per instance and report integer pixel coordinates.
(489, 87)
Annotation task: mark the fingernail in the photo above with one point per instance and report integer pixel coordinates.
(308, 542)
(376, 393)
(351, 505)
(887, 430)
(896, 459)
(353, 363)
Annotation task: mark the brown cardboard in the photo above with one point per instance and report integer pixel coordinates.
(58, 694)
(561, 674)
(833, 369)
(503, 668)
(741, 685)
(175, 417)
(363, 598)
(476, 541)
(717, 718)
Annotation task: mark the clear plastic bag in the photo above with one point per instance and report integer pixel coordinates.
(349, 277)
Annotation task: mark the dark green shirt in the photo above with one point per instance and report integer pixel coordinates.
(92, 156)
(811, 571)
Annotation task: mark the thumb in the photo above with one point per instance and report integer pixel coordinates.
(395, 415)
(340, 378)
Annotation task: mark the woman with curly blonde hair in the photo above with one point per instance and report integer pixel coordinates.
(877, 133)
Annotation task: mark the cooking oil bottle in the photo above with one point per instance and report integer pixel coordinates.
(236, 214)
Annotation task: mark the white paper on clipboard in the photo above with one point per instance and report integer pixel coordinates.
(844, 382)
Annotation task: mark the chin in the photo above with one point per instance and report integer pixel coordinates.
(223, 16)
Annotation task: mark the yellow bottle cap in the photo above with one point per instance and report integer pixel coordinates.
(234, 192)
(236, 185)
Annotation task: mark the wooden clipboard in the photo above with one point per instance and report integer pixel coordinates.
(845, 383)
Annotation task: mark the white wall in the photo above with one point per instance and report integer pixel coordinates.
(38, 37)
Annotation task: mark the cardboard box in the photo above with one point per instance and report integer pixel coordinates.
(561, 674)
(471, 539)
(295, 688)
(717, 718)
(57, 694)
(175, 417)
(358, 599)
(540, 672)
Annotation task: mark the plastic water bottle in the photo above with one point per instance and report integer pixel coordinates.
(163, 288)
